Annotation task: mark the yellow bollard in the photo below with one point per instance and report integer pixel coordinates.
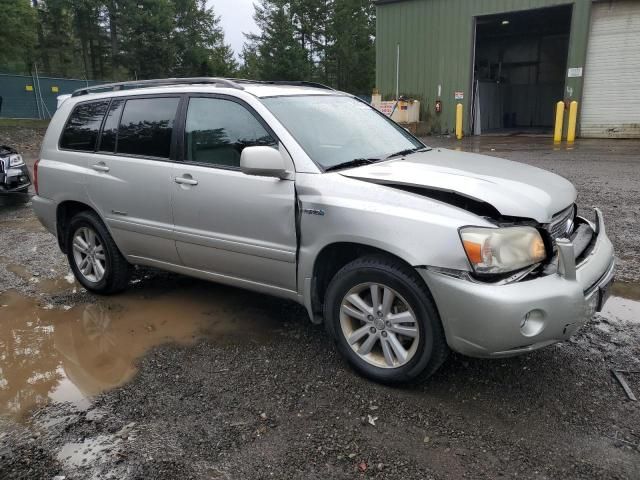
(573, 118)
(557, 135)
(459, 121)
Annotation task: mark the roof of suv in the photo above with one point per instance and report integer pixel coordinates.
(267, 90)
(259, 89)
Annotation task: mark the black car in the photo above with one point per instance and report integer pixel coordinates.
(14, 174)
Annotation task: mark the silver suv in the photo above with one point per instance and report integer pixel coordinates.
(303, 192)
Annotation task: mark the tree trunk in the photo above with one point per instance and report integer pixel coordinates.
(113, 32)
(85, 55)
(41, 48)
(92, 55)
(101, 57)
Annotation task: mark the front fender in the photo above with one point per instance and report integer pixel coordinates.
(419, 230)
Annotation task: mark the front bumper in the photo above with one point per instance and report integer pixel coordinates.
(484, 320)
(14, 180)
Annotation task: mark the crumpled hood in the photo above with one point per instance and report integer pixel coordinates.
(514, 189)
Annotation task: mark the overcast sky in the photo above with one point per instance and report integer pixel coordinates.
(236, 18)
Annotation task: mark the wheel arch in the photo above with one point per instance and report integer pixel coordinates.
(65, 211)
(330, 259)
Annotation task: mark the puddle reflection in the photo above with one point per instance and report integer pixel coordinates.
(70, 354)
(624, 304)
(49, 354)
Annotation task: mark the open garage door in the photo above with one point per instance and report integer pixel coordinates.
(519, 70)
(611, 96)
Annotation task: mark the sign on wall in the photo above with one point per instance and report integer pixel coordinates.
(575, 72)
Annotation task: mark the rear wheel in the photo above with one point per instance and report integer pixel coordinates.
(384, 321)
(94, 257)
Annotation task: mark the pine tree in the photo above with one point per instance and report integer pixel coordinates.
(199, 42)
(351, 49)
(18, 34)
(310, 18)
(146, 29)
(250, 67)
(56, 49)
(90, 36)
(280, 55)
(331, 41)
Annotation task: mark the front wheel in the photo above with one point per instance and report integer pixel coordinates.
(384, 321)
(94, 257)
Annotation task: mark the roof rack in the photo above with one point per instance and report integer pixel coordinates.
(293, 83)
(157, 83)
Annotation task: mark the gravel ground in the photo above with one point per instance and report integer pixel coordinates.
(282, 403)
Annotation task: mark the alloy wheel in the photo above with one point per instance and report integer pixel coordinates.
(89, 254)
(379, 325)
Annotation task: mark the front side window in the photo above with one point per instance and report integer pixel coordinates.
(146, 127)
(335, 129)
(81, 131)
(218, 130)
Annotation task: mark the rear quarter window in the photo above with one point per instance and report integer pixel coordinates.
(81, 130)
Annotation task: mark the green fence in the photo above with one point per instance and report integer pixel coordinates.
(24, 96)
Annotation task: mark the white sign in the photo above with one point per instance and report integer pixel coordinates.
(459, 95)
(386, 107)
(575, 72)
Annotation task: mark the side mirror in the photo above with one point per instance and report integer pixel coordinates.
(263, 162)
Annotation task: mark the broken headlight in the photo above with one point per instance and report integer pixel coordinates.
(15, 161)
(502, 250)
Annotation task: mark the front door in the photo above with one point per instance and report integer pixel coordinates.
(237, 226)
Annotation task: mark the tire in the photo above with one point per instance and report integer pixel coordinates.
(116, 270)
(425, 351)
(23, 195)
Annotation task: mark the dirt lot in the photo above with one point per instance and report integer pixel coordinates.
(178, 378)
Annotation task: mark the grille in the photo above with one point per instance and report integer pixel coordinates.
(561, 225)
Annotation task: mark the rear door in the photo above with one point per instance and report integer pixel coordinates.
(131, 175)
(238, 226)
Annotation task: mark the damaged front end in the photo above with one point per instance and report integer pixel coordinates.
(563, 225)
(14, 174)
(534, 270)
(568, 234)
(536, 306)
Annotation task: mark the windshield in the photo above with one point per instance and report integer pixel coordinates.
(336, 129)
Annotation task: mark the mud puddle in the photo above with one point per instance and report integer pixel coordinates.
(44, 285)
(623, 306)
(73, 353)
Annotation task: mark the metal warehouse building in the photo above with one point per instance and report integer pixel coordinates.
(510, 61)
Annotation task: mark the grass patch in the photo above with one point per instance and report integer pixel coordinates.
(23, 122)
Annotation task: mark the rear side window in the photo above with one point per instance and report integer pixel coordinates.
(81, 130)
(146, 127)
(110, 129)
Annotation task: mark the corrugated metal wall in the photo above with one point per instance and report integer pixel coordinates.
(436, 40)
(611, 106)
(19, 93)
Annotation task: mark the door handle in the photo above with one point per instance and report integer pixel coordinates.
(100, 167)
(186, 180)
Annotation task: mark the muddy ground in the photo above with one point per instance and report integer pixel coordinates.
(178, 378)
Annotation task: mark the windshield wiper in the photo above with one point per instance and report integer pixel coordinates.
(402, 153)
(356, 162)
